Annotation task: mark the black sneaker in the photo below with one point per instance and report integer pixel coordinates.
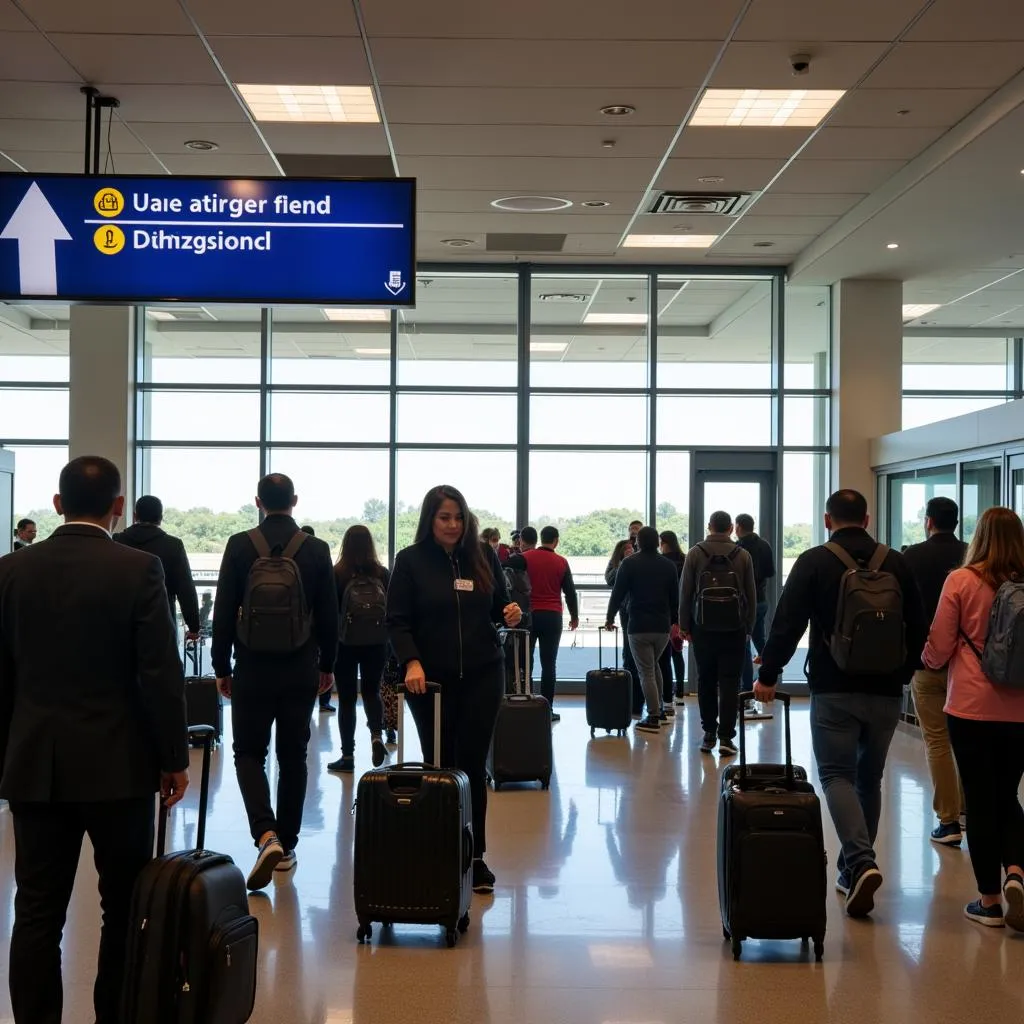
(1013, 892)
(327, 709)
(948, 834)
(346, 763)
(990, 917)
(668, 711)
(391, 738)
(680, 701)
(727, 748)
(483, 878)
(649, 724)
(861, 899)
(270, 855)
(708, 743)
(378, 752)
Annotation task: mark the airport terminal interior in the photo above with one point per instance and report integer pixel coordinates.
(670, 258)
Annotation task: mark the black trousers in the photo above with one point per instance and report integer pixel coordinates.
(259, 700)
(359, 668)
(469, 708)
(546, 630)
(719, 659)
(48, 843)
(668, 661)
(990, 757)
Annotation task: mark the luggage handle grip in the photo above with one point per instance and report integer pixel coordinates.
(400, 686)
(207, 734)
(467, 848)
(600, 648)
(784, 700)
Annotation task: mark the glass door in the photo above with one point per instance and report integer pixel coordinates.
(1017, 483)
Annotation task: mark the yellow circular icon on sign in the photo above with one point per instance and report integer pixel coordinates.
(108, 202)
(109, 239)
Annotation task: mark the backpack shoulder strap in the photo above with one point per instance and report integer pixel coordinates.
(843, 555)
(735, 552)
(704, 549)
(259, 542)
(292, 547)
(878, 557)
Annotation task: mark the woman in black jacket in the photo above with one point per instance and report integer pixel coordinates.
(362, 584)
(672, 658)
(446, 594)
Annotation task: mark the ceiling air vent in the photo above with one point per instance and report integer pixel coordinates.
(525, 242)
(192, 314)
(727, 204)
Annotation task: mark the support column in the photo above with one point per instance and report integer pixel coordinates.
(102, 399)
(867, 377)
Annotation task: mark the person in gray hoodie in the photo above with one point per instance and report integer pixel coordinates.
(717, 608)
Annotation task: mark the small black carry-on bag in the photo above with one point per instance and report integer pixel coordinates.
(203, 702)
(609, 694)
(420, 810)
(769, 826)
(192, 942)
(521, 744)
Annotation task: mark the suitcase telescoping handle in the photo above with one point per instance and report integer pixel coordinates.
(436, 689)
(783, 699)
(515, 637)
(207, 734)
(600, 647)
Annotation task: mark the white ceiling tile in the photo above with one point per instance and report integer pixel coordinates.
(12, 20)
(457, 225)
(28, 57)
(125, 17)
(956, 21)
(272, 18)
(744, 175)
(874, 143)
(522, 174)
(166, 137)
(548, 63)
(740, 143)
(925, 108)
(948, 66)
(451, 200)
(61, 136)
(786, 21)
(187, 104)
(782, 203)
(771, 227)
(287, 60)
(144, 59)
(767, 66)
(734, 244)
(227, 164)
(71, 163)
(42, 100)
(341, 139)
(838, 175)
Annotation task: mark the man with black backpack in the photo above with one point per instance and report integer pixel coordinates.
(277, 607)
(867, 632)
(717, 607)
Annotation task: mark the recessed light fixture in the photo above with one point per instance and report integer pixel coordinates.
(615, 318)
(903, 112)
(458, 243)
(772, 108)
(763, 245)
(359, 315)
(913, 310)
(618, 110)
(372, 351)
(595, 204)
(711, 179)
(563, 297)
(201, 145)
(312, 103)
(531, 204)
(893, 245)
(669, 241)
(160, 314)
(548, 346)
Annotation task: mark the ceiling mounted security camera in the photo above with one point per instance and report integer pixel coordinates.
(800, 63)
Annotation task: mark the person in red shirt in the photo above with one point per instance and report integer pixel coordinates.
(550, 578)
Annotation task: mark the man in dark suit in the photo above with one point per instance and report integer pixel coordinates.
(279, 687)
(146, 535)
(92, 723)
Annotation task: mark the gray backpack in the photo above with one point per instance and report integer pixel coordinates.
(274, 617)
(869, 636)
(1002, 659)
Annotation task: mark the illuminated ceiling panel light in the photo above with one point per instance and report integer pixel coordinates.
(669, 241)
(359, 315)
(160, 314)
(313, 103)
(916, 309)
(373, 351)
(615, 318)
(766, 108)
(548, 346)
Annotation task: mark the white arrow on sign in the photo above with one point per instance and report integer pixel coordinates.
(37, 229)
(395, 290)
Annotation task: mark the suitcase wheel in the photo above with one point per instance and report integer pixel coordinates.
(622, 732)
(593, 732)
(545, 783)
(364, 933)
(463, 924)
(737, 948)
(450, 937)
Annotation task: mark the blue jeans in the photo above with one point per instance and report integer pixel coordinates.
(851, 733)
(759, 641)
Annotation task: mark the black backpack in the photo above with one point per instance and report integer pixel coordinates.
(719, 602)
(363, 607)
(274, 617)
(519, 591)
(869, 636)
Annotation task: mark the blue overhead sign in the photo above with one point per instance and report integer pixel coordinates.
(267, 240)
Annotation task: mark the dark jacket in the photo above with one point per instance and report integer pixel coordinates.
(931, 562)
(177, 572)
(450, 632)
(317, 572)
(92, 697)
(697, 559)
(650, 582)
(810, 595)
(760, 552)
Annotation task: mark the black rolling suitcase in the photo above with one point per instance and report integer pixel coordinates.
(609, 694)
(769, 827)
(192, 943)
(203, 702)
(521, 744)
(414, 808)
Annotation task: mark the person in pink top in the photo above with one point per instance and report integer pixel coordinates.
(986, 720)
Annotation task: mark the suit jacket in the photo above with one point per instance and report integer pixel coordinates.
(317, 572)
(92, 698)
(177, 572)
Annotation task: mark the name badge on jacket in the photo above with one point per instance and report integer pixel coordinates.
(464, 585)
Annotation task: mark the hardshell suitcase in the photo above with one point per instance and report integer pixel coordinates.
(192, 942)
(203, 702)
(414, 807)
(609, 695)
(769, 826)
(521, 744)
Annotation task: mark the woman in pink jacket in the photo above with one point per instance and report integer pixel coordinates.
(986, 720)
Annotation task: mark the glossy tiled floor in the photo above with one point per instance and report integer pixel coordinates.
(606, 907)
